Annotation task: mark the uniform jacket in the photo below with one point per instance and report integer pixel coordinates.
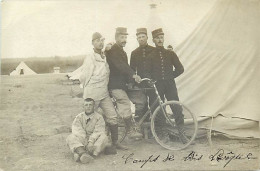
(88, 128)
(120, 71)
(140, 61)
(95, 76)
(165, 64)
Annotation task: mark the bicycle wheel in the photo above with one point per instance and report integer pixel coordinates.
(165, 129)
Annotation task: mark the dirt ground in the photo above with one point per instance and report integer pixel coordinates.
(36, 113)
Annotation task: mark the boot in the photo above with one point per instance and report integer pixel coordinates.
(80, 155)
(86, 158)
(130, 130)
(114, 137)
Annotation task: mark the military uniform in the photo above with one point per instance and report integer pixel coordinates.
(141, 63)
(120, 72)
(166, 66)
(88, 129)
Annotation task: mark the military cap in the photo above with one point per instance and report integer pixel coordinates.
(121, 30)
(97, 35)
(141, 30)
(157, 32)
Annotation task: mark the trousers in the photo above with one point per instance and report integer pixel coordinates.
(167, 89)
(99, 145)
(109, 112)
(122, 102)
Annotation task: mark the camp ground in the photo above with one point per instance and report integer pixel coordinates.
(218, 44)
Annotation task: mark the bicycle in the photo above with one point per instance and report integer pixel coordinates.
(167, 135)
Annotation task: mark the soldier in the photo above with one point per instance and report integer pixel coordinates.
(94, 78)
(141, 64)
(120, 72)
(163, 62)
(88, 135)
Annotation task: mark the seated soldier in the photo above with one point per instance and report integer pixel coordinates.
(88, 134)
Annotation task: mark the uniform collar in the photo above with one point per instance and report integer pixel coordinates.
(88, 116)
(144, 47)
(159, 47)
(99, 57)
(119, 46)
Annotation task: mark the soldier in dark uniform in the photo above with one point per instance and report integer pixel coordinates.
(163, 63)
(120, 72)
(141, 64)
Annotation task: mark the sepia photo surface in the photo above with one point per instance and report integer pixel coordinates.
(130, 85)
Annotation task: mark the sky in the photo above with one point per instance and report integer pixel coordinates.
(32, 28)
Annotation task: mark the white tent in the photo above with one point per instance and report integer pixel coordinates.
(22, 69)
(222, 69)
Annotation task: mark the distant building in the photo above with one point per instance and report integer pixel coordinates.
(56, 70)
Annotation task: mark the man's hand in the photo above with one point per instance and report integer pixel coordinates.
(137, 78)
(90, 147)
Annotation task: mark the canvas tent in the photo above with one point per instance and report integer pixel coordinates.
(221, 82)
(22, 69)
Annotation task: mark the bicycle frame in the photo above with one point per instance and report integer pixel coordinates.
(154, 106)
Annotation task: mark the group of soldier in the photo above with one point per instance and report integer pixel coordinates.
(106, 74)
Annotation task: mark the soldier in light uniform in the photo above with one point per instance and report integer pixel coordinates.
(88, 135)
(95, 78)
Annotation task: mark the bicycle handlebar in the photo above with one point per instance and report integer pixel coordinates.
(148, 79)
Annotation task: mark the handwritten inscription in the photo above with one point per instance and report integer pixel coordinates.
(193, 156)
(219, 156)
(129, 158)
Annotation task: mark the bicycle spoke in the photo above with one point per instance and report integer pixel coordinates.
(177, 128)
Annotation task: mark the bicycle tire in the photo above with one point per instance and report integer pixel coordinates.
(168, 129)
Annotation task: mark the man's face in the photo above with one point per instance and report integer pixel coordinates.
(142, 39)
(98, 43)
(158, 41)
(121, 40)
(89, 107)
